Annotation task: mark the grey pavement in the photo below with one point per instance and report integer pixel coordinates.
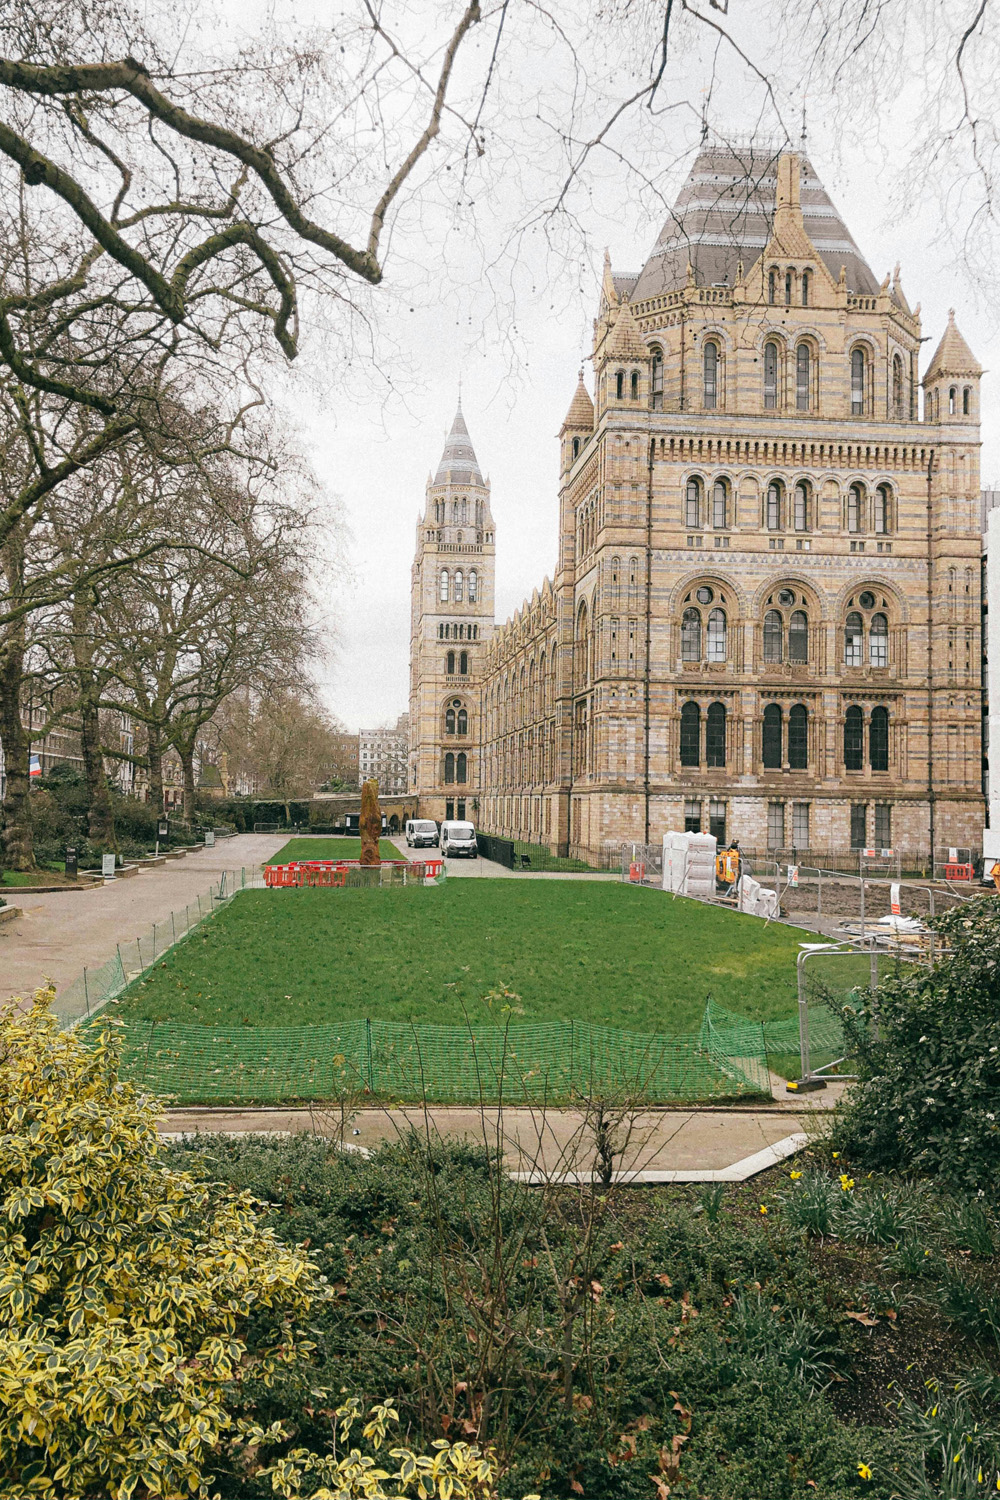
(59, 933)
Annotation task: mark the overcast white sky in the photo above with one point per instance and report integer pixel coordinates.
(373, 447)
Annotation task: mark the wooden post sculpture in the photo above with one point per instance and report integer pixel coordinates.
(371, 823)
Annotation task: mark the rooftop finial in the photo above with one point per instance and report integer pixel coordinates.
(802, 138)
(704, 122)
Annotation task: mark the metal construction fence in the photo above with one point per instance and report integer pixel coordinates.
(518, 854)
(546, 1063)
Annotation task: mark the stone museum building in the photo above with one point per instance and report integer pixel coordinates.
(764, 621)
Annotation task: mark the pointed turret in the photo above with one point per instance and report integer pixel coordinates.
(953, 355)
(459, 464)
(580, 417)
(624, 341)
(951, 385)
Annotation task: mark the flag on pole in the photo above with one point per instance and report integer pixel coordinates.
(34, 767)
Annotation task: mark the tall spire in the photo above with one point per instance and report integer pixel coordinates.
(459, 464)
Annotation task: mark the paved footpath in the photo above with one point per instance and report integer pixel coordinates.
(60, 932)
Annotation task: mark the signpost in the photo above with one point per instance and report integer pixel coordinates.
(108, 866)
(72, 866)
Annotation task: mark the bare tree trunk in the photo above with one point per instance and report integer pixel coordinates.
(100, 814)
(154, 761)
(186, 753)
(16, 846)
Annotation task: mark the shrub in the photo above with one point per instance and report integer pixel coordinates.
(929, 1095)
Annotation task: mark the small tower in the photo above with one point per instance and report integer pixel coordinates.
(951, 384)
(451, 625)
(577, 427)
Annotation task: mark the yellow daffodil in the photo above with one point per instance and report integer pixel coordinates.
(795, 1176)
(763, 1209)
(864, 1472)
(836, 1156)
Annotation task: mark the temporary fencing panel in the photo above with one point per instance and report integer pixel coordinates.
(553, 1063)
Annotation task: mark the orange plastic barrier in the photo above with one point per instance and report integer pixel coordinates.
(333, 872)
(636, 873)
(958, 872)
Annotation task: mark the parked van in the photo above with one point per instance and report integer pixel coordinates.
(421, 833)
(458, 838)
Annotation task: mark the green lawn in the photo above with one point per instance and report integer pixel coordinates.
(330, 848)
(610, 954)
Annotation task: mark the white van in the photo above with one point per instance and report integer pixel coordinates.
(458, 838)
(421, 833)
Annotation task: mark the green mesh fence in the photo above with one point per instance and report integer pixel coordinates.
(553, 1063)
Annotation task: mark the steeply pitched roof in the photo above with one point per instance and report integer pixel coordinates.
(624, 336)
(581, 409)
(459, 464)
(724, 214)
(953, 355)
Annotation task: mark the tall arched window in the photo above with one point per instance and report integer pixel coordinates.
(897, 388)
(449, 767)
(576, 447)
(805, 288)
(717, 635)
(966, 401)
(800, 506)
(459, 587)
(857, 382)
(855, 507)
(461, 766)
(691, 636)
(473, 586)
(463, 663)
(463, 721)
(692, 503)
(772, 738)
(853, 635)
(788, 288)
(880, 517)
(798, 737)
(774, 636)
(720, 504)
(620, 384)
(798, 637)
(715, 735)
(443, 588)
(774, 507)
(690, 735)
(803, 366)
(449, 721)
(770, 375)
(854, 739)
(657, 377)
(711, 360)
(952, 407)
(634, 385)
(450, 664)
(878, 739)
(772, 287)
(878, 641)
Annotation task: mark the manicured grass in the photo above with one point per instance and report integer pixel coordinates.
(329, 848)
(609, 954)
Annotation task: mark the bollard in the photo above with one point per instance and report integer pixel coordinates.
(819, 893)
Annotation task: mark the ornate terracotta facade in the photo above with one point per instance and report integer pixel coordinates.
(765, 618)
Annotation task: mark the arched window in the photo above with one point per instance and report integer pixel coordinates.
(878, 641)
(798, 637)
(449, 767)
(692, 503)
(772, 287)
(690, 735)
(443, 590)
(881, 509)
(450, 664)
(461, 766)
(635, 385)
(897, 388)
(803, 365)
(459, 587)
(463, 663)
(770, 374)
(800, 507)
(449, 721)
(878, 739)
(473, 586)
(788, 288)
(798, 737)
(853, 633)
(854, 739)
(805, 288)
(717, 635)
(774, 498)
(691, 636)
(966, 401)
(855, 507)
(576, 447)
(657, 377)
(952, 408)
(772, 737)
(720, 504)
(620, 384)
(715, 735)
(774, 636)
(857, 382)
(711, 360)
(463, 721)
